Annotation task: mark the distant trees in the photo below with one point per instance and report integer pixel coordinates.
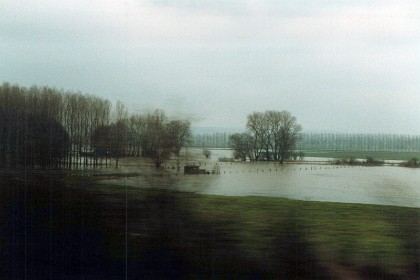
(328, 141)
(81, 115)
(288, 135)
(110, 141)
(152, 135)
(45, 143)
(178, 134)
(206, 153)
(271, 135)
(413, 162)
(210, 140)
(30, 134)
(31, 141)
(359, 142)
(244, 146)
(370, 161)
(101, 139)
(50, 128)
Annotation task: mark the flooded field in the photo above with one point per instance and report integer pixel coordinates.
(311, 181)
(67, 226)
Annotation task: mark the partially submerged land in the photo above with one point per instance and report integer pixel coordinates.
(72, 227)
(403, 156)
(58, 220)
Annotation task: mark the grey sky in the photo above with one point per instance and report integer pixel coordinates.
(345, 66)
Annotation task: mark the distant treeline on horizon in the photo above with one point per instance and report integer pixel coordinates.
(42, 127)
(328, 142)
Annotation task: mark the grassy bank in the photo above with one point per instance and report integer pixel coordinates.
(74, 228)
(363, 155)
(324, 240)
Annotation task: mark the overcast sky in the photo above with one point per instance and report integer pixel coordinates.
(340, 66)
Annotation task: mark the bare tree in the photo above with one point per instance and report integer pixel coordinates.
(206, 153)
(288, 135)
(243, 145)
(101, 142)
(154, 142)
(178, 134)
(118, 140)
(256, 126)
(272, 136)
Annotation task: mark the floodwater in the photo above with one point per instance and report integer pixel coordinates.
(383, 185)
(373, 185)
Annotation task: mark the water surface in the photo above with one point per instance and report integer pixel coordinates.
(383, 185)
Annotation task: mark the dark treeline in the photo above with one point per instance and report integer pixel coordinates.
(42, 127)
(329, 142)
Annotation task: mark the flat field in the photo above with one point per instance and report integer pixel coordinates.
(74, 227)
(278, 237)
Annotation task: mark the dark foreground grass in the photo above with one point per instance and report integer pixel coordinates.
(53, 229)
(363, 155)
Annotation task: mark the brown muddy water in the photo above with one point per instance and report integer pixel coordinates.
(383, 185)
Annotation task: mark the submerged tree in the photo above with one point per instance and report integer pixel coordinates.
(101, 143)
(243, 146)
(154, 140)
(289, 134)
(85, 126)
(178, 134)
(272, 135)
(206, 153)
(110, 141)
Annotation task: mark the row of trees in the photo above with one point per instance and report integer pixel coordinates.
(152, 135)
(51, 128)
(359, 142)
(271, 135)
(211, 140)
(28, 140)
(329, 142)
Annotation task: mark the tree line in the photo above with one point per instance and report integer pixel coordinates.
(270, 135)
(210, 140)
(42, 127)
(359, 142)
(328, 142)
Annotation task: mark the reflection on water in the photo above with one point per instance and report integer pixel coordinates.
(46, 225)
(374, 185)
(312, 181)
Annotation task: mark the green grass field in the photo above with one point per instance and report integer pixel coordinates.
(365, 241)
(363, 155)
